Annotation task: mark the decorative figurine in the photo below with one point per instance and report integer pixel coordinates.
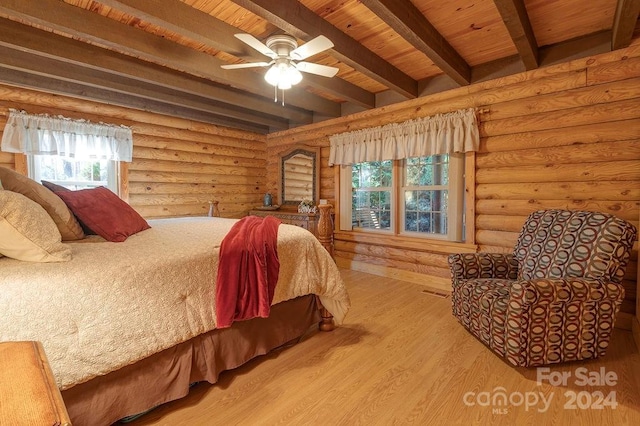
(267, 200)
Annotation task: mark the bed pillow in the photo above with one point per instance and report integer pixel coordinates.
(54, 187)
(58, 188)
(67, 224)
(104, 212)
(27, 232)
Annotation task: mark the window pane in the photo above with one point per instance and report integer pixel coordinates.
(425, 194)
(72, 174)
(411, 221)
(385, 173)
(371, 194)
(412, 175)
(371, 209)
(375, 174)
(424, 222)
(411, 200)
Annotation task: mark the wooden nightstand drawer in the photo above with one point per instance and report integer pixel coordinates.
(28, 392)
(303, 220)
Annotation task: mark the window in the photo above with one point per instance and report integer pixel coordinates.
(406, 179)
(75, 154)
(74, 174)
(429, 191)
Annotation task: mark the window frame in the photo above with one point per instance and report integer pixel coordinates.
(459, 196)
(455, 207)
(21, 164)
(392, 201)
(113, 175)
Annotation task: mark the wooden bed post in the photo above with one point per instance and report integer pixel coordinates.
(325, 227)
(326, 323)
(325, 236)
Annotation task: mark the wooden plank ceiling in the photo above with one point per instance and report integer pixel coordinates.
(165, 55)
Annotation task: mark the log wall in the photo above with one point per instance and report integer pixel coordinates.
(178, 165)
(566, 136)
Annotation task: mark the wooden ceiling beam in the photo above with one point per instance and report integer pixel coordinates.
(190, 22)
(624, 23)
(516, 19)
(299, 21)
(89, 26)
(579, 47)
(66, 71)
(81, 91)
(45, 44)
(187, 21)
(413, 26)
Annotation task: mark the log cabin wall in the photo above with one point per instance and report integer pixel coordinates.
(565, 136)
(178, 165)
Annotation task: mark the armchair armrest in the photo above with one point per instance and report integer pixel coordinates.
(466, 266)
(565, 290)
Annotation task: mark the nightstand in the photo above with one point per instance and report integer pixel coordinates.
(307, 221)
(320, 225)
(28, 392)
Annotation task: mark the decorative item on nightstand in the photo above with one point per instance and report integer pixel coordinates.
(267, 200)
(307, 206)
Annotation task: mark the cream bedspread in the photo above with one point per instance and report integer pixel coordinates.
(116, 303)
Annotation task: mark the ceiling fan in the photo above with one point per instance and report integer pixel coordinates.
(287, 58)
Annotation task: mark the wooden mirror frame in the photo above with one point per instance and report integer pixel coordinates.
(311, 151)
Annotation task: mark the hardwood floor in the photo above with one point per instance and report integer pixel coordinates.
(402, 358)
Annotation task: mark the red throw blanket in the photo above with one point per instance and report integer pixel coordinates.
(247, 270)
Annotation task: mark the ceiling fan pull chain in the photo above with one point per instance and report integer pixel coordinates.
(275, 93)
(282, 97)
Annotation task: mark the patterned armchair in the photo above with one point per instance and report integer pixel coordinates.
(556, 297)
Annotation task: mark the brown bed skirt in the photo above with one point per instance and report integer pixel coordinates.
(166, 376)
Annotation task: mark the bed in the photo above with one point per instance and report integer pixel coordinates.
(127, 326)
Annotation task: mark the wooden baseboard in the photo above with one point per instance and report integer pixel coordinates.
(437, 283)
(624, 320)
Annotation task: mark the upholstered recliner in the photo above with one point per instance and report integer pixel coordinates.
(556, 297)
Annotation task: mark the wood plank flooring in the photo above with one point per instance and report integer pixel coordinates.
(401, 358)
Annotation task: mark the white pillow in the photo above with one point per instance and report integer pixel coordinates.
(27, 232)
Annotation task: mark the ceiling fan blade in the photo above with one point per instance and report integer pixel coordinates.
(318, 69)
(256, 44)
(310, 48)
(245, 65)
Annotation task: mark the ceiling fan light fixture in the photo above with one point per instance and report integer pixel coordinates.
(293, 75)
(283, 75)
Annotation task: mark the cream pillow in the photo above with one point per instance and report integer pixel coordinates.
(67, 224)
(27, 232)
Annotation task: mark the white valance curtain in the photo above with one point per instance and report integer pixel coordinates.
(79, 139)
(422, 137)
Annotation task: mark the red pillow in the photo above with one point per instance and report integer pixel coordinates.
(104, 212)
(54, 187)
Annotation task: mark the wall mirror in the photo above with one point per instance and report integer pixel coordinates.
(299, 175)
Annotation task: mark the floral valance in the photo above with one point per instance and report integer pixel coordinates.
(422, 137)
(79, 139)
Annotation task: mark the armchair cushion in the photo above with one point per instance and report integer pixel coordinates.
(565, 243)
